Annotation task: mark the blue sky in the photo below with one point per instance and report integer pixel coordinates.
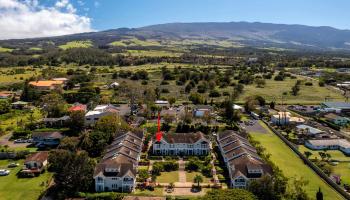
(135, 13)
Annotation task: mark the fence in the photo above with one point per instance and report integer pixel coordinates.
(317, 170)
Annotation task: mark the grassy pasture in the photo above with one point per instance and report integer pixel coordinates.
(135, 42)
(3, 49)
(76, 44)
(292, 165)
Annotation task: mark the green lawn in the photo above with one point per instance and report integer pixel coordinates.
(343, 169)
(13, 188)
(168, 177)
(77, 44)
(335, 154)
(292, 165)
(35, 49)
(273, 90)
(152, 53)
(157, 192)
(190, 176)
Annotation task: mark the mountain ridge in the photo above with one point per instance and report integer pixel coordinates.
(249, 34)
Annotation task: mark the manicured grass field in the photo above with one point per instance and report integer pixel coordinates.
(13, 188)
(343, 169)
(190, 177)
(35, 49)
(157, 192)
(292, 165)
(335, 154)
(77, 44)
(273, 90)
(143, 167)
(168, 177)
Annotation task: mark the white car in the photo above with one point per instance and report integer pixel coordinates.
(4, 172)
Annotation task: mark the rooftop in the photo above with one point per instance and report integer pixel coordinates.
(38, 157)
(331, 142)
(311, 129)
(339, 105)
(45, 83)
(188, 138)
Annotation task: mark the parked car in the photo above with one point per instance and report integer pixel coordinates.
(20, 141)
(4, 172)
(13, 165)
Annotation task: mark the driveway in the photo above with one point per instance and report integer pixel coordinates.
(5, 140)
(254, 127)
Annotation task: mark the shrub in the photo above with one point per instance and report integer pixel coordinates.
(308, 83)
(214, 93)
(20, 134)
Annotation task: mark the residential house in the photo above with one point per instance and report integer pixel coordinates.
(93, 116)
(182, 144)
(113, 85)
(47, 138)
(241, 158)
(19, 105)
(336, 119)
(162, 103)
(6, 95)
(35, 163)
(56, 121)
(78, 107)
(64, 80)
(202, 110)
(118, 168)
(46, 85)
(171, 113)
(343, 107)
(285, 118)
(143, 198)
(329, 144)
(308, 130)
(238, 107)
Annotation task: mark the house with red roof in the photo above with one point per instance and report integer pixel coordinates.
(78, 107)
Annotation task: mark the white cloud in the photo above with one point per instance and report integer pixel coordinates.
(26, 19)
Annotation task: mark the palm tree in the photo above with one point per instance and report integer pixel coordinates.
(198, 179)
(171, 185)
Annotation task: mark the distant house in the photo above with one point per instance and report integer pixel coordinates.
(19, 105)
(64, 80)
(241, 158)
(336, 119)
(113, 85)
(181, 144)
(308, 130)
(169, 112)
(284, 118)
(47, 138)
(93, 116)
(6, 95)
(342, 106)
(329, 144)
(78, 107)
(162, 103)
(202, 110)
(118, 168)
(237, 107)
(46, 85)
(143, 198)
(56, 122)
(35, 163)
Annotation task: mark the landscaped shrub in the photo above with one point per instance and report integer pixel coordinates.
(214, 93)
(20, 134)
(308, 83)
